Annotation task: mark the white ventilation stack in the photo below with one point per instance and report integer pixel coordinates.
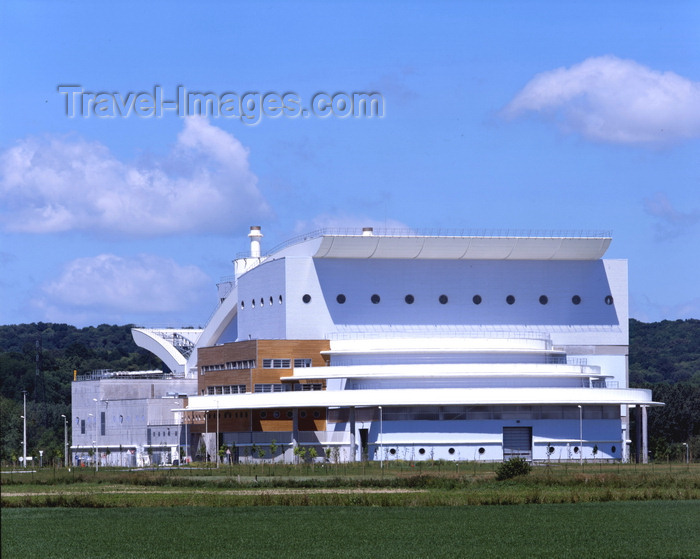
(367, 231)
(255, 236)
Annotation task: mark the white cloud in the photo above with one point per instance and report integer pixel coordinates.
(54, 184)
(112, 288)
(613, 100)
(671, 222)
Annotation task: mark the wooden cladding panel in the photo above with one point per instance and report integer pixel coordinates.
(256, 350)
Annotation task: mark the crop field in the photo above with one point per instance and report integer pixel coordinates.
(618, 529)
(357, 511)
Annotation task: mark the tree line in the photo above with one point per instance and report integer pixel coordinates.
(40, 358)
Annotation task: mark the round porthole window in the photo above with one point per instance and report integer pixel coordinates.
(476, 299)
(271, 302)
(451, 451)
(575, 450)
(550, 449)
(421, 451)
(306, 298)
(276, 415)
(252, 303)
(409, 299)
(243, 304)
(317, 414)
(609, 300)
(340, 298)
(302, 414)
(392, 451)
(262, 302)
(263, 414)
(481, 450)
(290, 414)
(375, 299)
(544, 300)
(510, 299)
(613, 448)
(443, 299)
(576, 300)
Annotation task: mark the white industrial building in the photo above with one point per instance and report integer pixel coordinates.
(364, 344)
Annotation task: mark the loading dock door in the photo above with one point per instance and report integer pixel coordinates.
(517, 441)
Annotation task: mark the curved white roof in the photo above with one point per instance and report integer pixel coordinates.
(423, 397)
(446, 370)
(408, 245)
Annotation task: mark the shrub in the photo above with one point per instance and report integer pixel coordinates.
(512, 468)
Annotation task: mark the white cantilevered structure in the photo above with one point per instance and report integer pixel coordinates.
(472, 345)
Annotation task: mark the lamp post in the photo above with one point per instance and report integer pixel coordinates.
(381, 438)
(187, 440)
(65, 440)
(206, 436)
(580, 434)
(687, 453)
(24, 432)
(216, 446)
(97, 448)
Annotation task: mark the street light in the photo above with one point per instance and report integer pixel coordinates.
(216, 446)
(206, 436)
(97, 448)
(580, 434)
(24, 432)
(381, 438)
(687, 453)
(65, 440)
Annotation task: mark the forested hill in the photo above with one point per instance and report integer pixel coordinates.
(61, 349)
(667, 351)
(664, 356)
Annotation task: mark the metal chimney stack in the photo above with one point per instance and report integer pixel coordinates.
(255, 235)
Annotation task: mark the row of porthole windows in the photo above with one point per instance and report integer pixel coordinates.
(276, 414)
(410, 299)
(482, 450)
(443, 299)
(262, 302)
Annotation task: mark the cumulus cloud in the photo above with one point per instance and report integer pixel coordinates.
(613, 100)
(52, 184)
(671, 222)
(113, 288)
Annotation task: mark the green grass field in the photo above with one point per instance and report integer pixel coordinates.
(616, 529)
(437, 510)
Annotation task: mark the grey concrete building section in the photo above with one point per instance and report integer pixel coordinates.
(128, 418)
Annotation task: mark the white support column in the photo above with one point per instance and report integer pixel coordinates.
(645, 442)
(353, 450)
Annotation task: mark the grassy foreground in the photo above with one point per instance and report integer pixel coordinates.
(631, 529)
(354, 511)
(353, 485)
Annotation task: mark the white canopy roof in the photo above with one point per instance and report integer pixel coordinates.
(422, 397)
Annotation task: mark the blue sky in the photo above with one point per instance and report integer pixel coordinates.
(497, 115)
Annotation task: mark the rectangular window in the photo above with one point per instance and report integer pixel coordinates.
(311, 386)
(269, 387)
(210, 390)
(82, 426)
(102, 423)
(299, 363)
(276, 363)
